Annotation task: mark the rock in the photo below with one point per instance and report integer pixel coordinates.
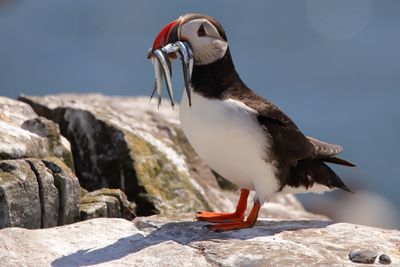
(384, 259)
(37, 193)
(68, 191)
(19, 195)
(23, 134)
(48, 193)
(93, 210)
(115, 202)
(178, 241)
(367, 256)
(56, 144)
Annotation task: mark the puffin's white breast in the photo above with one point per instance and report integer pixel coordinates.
(227, 136)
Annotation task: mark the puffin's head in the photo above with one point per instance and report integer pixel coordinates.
(205, 35)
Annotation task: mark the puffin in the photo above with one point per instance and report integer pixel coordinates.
(239, 134)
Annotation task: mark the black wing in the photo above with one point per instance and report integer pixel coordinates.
(289, 142)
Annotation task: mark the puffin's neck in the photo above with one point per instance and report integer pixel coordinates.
(213, 79)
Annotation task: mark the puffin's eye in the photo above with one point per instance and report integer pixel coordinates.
(201, 31)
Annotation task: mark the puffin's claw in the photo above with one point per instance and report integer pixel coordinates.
(162, 68)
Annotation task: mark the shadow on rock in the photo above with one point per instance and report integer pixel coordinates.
(183, 233)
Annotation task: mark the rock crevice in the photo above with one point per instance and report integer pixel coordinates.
(48, 194)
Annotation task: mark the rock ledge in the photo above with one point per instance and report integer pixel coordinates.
(165, 241)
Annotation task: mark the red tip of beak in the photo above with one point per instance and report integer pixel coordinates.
(162, 37)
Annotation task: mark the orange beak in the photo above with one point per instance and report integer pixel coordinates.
(167, 35)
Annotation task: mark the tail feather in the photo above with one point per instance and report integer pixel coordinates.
(337, 160)
(308, 172)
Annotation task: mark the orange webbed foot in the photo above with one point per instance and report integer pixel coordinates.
(221, 217)
(251, 220)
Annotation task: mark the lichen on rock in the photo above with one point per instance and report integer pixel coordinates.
(116, 203)
(169, 187)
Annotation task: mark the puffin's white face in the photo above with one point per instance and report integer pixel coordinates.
(207, 44)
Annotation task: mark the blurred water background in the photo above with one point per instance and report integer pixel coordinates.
(333, 66)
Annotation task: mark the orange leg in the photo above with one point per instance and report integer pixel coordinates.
(219, 217)
(251, 220)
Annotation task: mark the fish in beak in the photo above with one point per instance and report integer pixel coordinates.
(167, 46)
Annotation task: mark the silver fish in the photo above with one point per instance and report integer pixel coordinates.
(163, 60)
(186, 56)
(158, 72)
(162, 68)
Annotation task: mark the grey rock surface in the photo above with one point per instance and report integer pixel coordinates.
(19, 195)
(384, 259)
(34, 195)
(37, 193)
(109, 203)
(178, 241)
(93, 210)
(366, 256)
(24, 134)
(68, 191)
(48, 193)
